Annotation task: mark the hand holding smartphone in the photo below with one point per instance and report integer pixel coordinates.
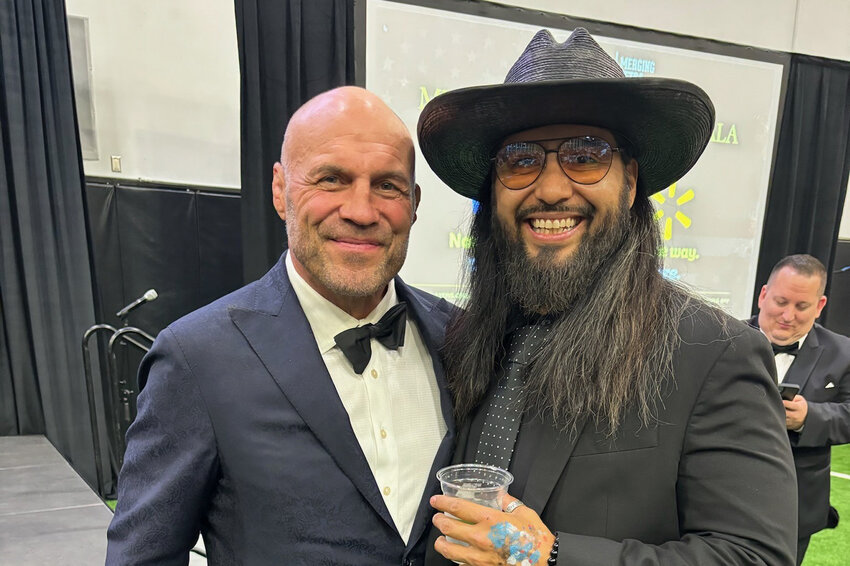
(788, 391)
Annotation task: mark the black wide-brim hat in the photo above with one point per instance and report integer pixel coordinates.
(666, 123)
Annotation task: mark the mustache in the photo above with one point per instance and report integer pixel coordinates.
(586, 210)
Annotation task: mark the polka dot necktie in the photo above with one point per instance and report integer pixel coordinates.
(501, 425)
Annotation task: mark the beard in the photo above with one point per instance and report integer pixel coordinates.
(614, 329)
(543, 284)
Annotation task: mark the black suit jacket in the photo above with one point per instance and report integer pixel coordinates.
(711, 484)
(822, 370)
(241, 435)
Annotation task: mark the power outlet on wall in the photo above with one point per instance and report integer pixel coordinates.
(116, 163)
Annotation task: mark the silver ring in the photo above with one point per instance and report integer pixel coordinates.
(513, 505)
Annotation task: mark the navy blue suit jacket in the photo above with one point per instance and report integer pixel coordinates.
(241, 435)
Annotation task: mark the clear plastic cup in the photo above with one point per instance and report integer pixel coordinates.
(485, 485)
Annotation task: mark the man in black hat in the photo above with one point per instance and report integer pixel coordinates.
(641, 425)
(817, 362)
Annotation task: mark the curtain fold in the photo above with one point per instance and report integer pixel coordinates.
(45, 278)
(289, 51)
(810, 175)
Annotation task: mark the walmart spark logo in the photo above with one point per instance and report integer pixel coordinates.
(680, 216)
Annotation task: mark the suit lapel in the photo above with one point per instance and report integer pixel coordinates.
(555, 449)
(431, 322)
(806, 360)
(280, 335)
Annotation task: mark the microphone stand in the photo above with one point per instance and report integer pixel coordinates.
(122, 392)
(119, 390)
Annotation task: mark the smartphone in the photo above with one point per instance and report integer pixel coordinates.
(788, 390)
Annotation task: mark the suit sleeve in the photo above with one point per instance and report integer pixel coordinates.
(828, 423)
(170, 464)
(736, 491)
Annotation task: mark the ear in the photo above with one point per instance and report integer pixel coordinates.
(762, 295)
(821, 304)
(279, 190)
(417, 196)
(631, 179)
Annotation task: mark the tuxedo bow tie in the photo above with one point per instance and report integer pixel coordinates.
(792, 348)
(389, 331)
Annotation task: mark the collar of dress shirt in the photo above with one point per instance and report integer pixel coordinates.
(325, 318)
(800, 341)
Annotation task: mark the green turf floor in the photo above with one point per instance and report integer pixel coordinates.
(831, 547)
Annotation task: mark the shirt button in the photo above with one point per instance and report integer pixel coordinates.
(375, 374)
(383, 433)
(387, 490)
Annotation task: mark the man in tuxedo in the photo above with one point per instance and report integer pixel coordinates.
(641, 425)
(818, 361)
(301, 419)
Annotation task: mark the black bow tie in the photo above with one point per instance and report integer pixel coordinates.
(792, 348)
(389, 331)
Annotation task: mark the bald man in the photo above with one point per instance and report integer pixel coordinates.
(302, 418)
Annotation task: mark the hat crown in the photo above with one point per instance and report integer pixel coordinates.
(579, 57)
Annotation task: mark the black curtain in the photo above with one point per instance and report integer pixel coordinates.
(810, 174)
(182, 241)
(46, 299)
(289, 51)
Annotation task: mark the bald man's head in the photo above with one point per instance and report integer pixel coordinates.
(346, 105)
(346, 190)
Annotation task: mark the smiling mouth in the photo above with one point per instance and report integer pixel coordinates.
(354, 242)
(358, 246)
(549, 226)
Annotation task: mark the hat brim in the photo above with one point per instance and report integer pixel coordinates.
(667, 123)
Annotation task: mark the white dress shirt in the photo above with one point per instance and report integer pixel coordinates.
(784, 361)
(393, 407)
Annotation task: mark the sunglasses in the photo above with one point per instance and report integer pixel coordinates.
(584, 159)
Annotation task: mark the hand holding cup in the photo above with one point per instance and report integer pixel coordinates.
(477, 531)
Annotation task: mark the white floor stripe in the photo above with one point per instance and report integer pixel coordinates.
(840, 475)
(51, 509)
(4, 469)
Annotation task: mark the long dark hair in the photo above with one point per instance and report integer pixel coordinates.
(610, 350)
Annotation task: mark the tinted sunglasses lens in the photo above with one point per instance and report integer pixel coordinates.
(585, 159)
(519, 164)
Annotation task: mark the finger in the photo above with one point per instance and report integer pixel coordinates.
(464, 510)
(507, 499)
(462, 554)
(454, 528)
(521, 514)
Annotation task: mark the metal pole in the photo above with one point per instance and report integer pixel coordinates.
(98, 459)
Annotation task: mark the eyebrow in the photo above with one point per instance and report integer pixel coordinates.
(389, 174)
(393, 175)
(328, 169)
